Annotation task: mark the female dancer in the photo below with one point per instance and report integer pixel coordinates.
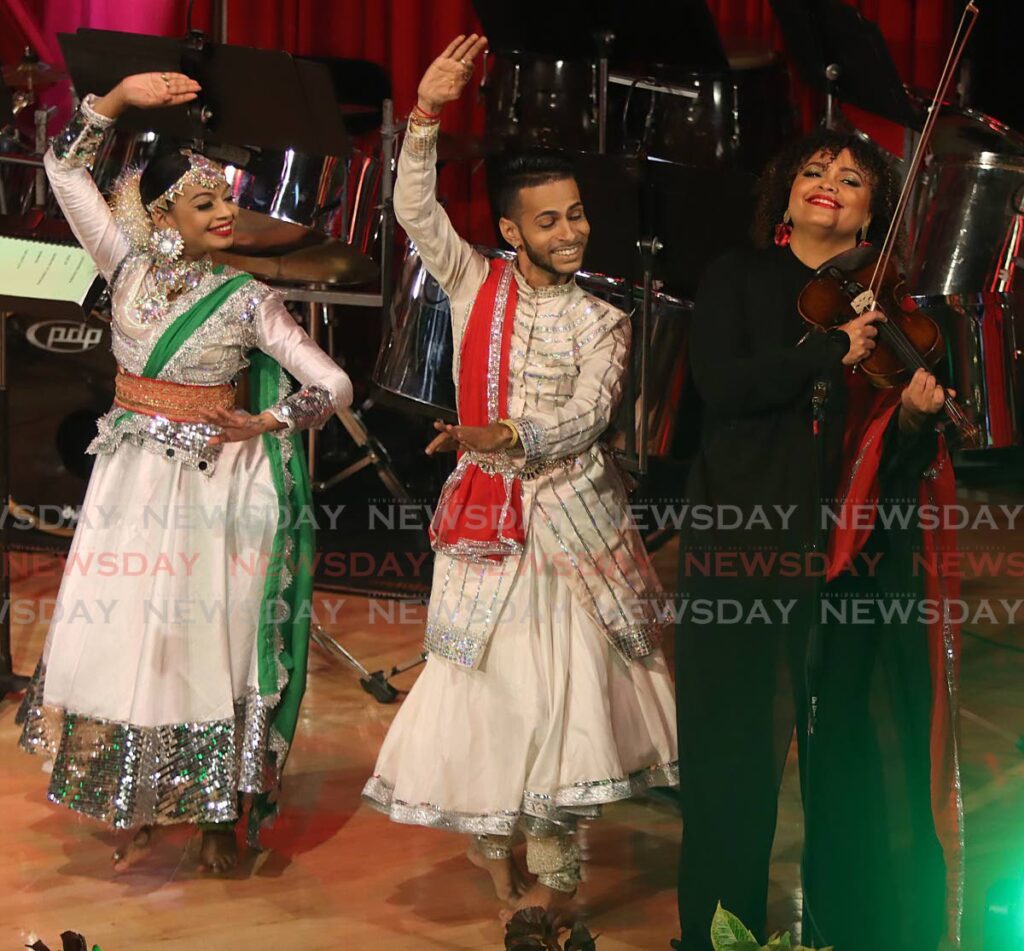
(173, 670)
(789, 424)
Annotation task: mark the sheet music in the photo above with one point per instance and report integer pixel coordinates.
(59, 272)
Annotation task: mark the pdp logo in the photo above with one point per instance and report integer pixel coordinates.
(63, 336)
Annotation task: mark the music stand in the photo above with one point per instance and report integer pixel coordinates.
(685, 37)
(838, 52)
(238, 82)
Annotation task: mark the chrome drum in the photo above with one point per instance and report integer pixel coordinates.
(667, 362)
(737, 119)
(540, 101)
(287, 186)
(414, 366)
(983, 335)
(965, 234)
(966, 209)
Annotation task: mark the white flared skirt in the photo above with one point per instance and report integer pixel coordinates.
(553, 724)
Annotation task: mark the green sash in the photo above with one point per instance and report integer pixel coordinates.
(282, 639)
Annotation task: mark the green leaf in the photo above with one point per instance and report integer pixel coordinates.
(779, 942)
(729, 934)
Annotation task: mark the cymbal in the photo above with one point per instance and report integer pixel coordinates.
(331, 263)
(28, 75)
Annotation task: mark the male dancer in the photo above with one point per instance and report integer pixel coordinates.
(545, 694)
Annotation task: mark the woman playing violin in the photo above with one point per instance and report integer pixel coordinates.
(790, 623)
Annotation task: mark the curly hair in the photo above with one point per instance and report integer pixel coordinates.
(775, 183)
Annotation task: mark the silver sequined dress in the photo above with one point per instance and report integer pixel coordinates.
(146, 695)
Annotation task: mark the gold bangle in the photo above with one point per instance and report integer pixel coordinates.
(508, 424)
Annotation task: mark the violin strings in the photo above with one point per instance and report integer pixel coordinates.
(905, 349)
(955, 53)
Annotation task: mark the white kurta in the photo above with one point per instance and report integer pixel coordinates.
(545, 693)
(147, 694)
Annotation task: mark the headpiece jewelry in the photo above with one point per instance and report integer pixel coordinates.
(173, 274)
(133, 216)
(202, 172)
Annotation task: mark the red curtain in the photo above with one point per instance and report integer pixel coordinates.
(916, 30)
(404, 35)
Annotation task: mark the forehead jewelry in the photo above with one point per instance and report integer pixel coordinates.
(202, 172)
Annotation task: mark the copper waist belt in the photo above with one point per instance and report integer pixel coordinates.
(178, 402)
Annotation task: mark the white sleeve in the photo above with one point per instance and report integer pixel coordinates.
(325, 387)
(451, 260)
(67, 164)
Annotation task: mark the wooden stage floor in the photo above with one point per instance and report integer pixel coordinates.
(338, 875)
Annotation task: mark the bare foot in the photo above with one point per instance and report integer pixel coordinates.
(131, 848)
(218, 851)
(505, 874)
(559, 907)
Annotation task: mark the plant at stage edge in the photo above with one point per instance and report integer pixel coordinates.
(530, 930)
(70, 941)
(729, 934)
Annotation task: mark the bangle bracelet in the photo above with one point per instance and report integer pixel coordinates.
(511, 427)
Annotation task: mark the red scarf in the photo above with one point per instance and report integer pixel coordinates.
(480, 515)
(870, 411)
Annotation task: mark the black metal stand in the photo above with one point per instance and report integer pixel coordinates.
(10, 682)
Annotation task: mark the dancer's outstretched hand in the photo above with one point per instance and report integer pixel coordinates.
(448, 75)
(147, 91)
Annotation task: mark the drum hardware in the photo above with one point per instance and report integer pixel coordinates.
(603, 40)
(376, 684)
(31, 74)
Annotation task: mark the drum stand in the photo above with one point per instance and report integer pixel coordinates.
(376, 684)
(374, 453)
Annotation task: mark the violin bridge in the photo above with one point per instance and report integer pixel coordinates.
(863, 302)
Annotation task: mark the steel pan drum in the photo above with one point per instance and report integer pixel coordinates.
(537, 101)
(737, 119)
(669, 333)
(414, 367)
(964, 234)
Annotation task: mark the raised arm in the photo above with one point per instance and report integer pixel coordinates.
(451, 260)
(70, 157)
(68, 163)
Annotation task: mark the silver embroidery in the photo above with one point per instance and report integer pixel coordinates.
(307, 408)
(76, 145)
(185, 443)
(562, 806)
(127, 775)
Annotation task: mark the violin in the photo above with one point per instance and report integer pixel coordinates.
(867, 278)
